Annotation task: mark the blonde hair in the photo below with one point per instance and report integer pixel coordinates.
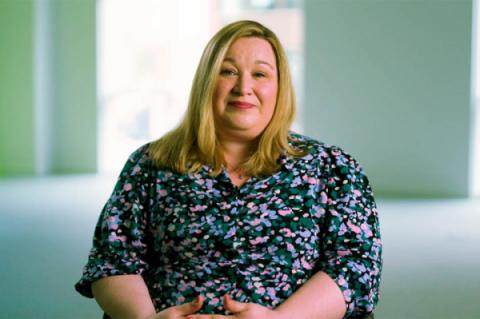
(193, 143)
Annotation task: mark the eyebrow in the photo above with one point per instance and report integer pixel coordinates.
(256, 62)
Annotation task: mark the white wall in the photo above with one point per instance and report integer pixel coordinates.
(389, 82)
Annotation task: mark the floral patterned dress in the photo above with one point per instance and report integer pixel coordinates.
(190, 234)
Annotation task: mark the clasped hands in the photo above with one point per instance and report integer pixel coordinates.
(238, 309)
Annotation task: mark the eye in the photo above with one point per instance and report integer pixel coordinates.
(227, 72)
(259, 74)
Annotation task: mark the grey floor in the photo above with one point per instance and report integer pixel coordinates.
(431, 251)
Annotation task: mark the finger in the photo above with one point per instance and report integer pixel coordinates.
(233, 305)
(191, 307)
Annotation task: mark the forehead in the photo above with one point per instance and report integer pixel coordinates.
(251, 49)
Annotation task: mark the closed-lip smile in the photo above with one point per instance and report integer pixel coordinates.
(241, 104)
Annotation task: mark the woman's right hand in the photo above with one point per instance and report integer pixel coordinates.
(180, 311)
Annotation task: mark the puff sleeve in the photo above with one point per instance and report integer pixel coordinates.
(119, 241)
(350, 245)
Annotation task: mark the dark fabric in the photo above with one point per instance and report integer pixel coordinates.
(369, 316)
(191, 234)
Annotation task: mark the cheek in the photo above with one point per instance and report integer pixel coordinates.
(222, 89)
(219, 95)
(269, 95)
(216, 93)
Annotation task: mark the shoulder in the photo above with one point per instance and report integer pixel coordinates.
(319, 150)
(141, 153)
(329, 159)
(138, 162)
(339, 170)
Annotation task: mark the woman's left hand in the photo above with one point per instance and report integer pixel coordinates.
(241, 310)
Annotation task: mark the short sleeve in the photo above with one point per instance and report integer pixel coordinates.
(350, 246)
(119, 241)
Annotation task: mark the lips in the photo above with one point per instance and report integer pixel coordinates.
(241, 105)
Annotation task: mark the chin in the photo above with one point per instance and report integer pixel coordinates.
(242, 132)
(242, 125)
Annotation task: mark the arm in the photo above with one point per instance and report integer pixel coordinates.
(119, 247)
(350, 246)
(318, 298)
(124, 296)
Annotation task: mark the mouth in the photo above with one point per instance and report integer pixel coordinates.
(241, 105)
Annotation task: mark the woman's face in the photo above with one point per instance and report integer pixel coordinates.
(246, 91)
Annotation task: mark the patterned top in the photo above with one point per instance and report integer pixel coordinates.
(190, 234)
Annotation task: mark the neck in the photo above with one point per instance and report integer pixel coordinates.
(235, 153)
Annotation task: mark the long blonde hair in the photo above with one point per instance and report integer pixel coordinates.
(193, 143)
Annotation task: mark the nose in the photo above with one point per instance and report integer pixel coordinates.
(243, 85)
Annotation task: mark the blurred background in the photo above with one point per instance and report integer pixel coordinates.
(83, 83)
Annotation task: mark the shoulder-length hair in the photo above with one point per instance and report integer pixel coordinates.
(194, 142)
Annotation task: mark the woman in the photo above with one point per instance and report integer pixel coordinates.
(231, 215)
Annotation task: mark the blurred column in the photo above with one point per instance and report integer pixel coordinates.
(74, 106)
(43, 86)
